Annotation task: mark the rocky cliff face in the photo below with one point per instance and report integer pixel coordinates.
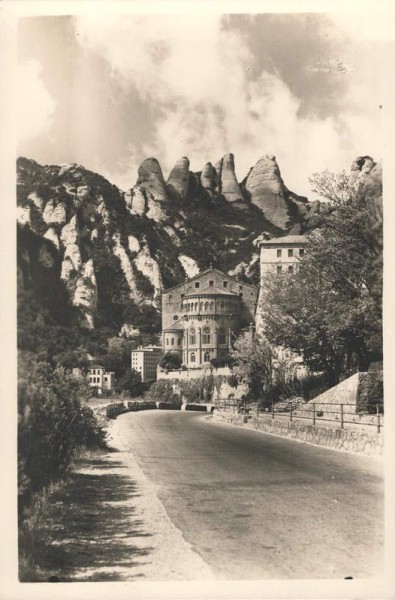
(113, 251)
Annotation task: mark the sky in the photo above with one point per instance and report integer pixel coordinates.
(108, 92)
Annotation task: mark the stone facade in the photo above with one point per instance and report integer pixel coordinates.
(202, 316)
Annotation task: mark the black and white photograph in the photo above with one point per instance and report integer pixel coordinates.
(199, 390)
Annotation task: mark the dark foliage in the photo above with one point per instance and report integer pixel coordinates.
(53, 423)
(170, 361)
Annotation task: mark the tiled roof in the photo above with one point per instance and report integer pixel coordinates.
(286, 239)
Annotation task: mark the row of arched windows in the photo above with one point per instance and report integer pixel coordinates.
(206, 306)
(206, 336)
(206, 357)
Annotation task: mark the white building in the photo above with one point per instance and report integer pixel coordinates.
(281, 255)
(145, 361)
(100, 379)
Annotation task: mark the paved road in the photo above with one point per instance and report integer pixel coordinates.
(258, 506)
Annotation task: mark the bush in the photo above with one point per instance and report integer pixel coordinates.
(197, 390)
(170, 361)
(52, 425)
(164, 391)
(223, 361)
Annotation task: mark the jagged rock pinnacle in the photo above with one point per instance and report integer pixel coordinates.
(178, 181)
(267, 189)
(150, 176)
(208, 177)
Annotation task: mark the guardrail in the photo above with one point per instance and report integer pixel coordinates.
(316, 413)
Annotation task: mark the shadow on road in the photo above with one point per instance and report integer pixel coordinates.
(89, 526)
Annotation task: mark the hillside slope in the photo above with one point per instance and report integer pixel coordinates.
(95, 256)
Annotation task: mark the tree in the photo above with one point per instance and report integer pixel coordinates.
(170, 361)
(330, 311)
(72, 358)
(253, 364)
(130, 382)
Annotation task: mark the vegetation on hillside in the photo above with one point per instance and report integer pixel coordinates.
(330, 312)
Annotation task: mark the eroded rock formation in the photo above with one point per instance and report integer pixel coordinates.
(178, 181)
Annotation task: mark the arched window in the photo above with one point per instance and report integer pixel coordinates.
(206, 356)
(221, 336)
(192, 336)
(206, 306)
(206, 335)
(196, 305)
(211, 306)
(193, 357)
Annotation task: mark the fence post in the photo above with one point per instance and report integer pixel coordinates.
(272, 410)
(378, 418)
(244, 407)
(290, 414)
(313, 413)
(341, 417)
(257, 409)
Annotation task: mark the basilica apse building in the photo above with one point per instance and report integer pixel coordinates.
(203, 315)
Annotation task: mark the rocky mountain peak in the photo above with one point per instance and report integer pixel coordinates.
(178, 180)
(267, 190)
(227, 181)
(208, 177)
(112, 252)
(150, 177)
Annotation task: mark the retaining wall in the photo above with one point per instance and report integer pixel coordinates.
(193, 373)
(348, 440)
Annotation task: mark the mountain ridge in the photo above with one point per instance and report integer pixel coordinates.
(114, 251)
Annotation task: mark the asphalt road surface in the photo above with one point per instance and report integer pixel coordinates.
(257, 506)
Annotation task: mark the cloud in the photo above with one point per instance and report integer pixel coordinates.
(195, 74)
(35, 105)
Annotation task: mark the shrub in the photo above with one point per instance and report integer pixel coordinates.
(164, 391)
(52, 425)
(170, 361)
(197, 390)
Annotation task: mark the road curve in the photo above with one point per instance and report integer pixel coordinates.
(257, 506)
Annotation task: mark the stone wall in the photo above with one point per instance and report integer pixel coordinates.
(359, 393)
(192, 373)
(349, 440)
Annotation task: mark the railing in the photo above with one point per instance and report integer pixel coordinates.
(316, 412)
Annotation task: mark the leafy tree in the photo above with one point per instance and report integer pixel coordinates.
(253, 364)
(330, 311)
(170, 361)
(72, 358)
(130, 382)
